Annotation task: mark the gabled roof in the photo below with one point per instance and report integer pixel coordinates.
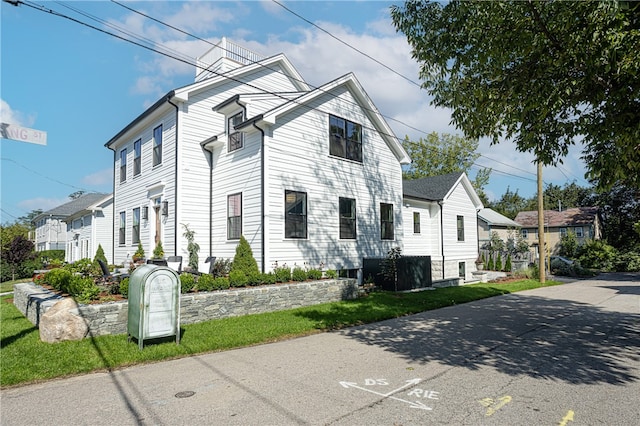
(570, 217)
(73, 206)
(351, 83)
(182, 94)
(439, 188)
(492, 217)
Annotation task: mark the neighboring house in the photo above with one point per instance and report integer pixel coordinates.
(440, 216)
(490, 221)
(584, 222)
(51, 226)
(90, 227)
(309, 176)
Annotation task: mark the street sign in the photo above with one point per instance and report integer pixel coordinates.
(22, 134)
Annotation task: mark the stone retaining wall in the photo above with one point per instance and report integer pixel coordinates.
(111, 318)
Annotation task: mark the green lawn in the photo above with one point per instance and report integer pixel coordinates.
(7, 286)
(26, 359)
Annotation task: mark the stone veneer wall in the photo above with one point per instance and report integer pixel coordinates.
(111, 318)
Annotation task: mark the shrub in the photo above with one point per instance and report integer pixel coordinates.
(298, 274)
(158, 252)
(243, 260)
(187, 282)
(558, 267)
(192, 247)
(237, 278)
(314, 274)
(100, 254)
(331, 273)
(221, 267)
(139, 254)
(507, 266)
(83, 288)
(490, 264)
(283, 274)
(221, 283)
(58, 279)
(254, 278)
(628, 262)
(499, 262)
(124, 287)
(268, 278)
(597, 254)
(205, 282)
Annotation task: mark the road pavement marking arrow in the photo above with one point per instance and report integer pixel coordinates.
(566, 419)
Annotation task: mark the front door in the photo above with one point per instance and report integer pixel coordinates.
(158, 235)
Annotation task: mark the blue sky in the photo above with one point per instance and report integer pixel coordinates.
(83, 86)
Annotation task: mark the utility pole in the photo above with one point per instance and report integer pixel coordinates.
(541, 246)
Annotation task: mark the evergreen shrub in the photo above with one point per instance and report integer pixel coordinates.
(187, 283)
(298, 274)
(205, 282)
(238, 278)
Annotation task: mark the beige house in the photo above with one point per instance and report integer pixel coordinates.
(584, 222)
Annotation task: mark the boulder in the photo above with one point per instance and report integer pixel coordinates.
(62, 322)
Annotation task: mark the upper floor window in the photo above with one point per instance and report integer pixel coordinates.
(347, 218)
(123, 228)
(236, 138)
(524, 233)
(234, 216)
(563, 232)
(386, 221)
(123, 165)
(460, 226)
(157, 145)
(345, 139)
(416, 222)
(135, 226)
(137, 157)
(295, 211)
(579, 231)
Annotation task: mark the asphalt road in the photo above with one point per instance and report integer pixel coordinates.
(565, 355)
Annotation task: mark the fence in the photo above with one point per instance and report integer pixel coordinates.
(414, 272)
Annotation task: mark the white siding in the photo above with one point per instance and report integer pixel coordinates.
(427, 242)
(459, 203)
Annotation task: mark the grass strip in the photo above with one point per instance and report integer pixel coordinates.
(26, 359)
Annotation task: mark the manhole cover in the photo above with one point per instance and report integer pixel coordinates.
(185, 394)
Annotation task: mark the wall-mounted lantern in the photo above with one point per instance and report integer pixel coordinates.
(145, 212)
(165, 208)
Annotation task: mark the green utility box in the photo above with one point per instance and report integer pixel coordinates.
(154, 304)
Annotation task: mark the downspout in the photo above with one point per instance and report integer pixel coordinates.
(442, 236)
(113, 210)
(262, 192)
(175, 190)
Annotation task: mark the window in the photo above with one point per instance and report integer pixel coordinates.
(345, 139)
(579, 231)
(347, 218)
(123, 228)
(295, 211)
(123, 165)
(157, 145)
(135, 228)
(386, 221)
(234, 216)
(236, 139)
(524, 233)
(460, 222)
(416, 222)
(563, 232)
(462, 270)
(137, 157)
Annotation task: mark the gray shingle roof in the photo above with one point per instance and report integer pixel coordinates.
(73, 206)
(492, 217)
(432, 188)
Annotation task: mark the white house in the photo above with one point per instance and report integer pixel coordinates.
(307, 175)
(89, 227)
(440, 216)
(56, 229)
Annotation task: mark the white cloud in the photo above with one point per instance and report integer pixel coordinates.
(11, 116)
(41, 203)
(99, 178)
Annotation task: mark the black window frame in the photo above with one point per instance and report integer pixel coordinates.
(345, 139)
(157, 145)
(387, 229)
(460, 227)
(137, 157)
(135, 226)
(234, 223)
(347, 220)
(295, 214)
(235, 139)
(122, 232)
(416, 222)
(123, 165)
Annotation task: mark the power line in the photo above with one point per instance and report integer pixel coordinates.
(44, 176)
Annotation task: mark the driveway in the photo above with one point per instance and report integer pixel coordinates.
(559, 355)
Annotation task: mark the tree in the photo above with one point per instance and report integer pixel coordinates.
(440, 154)
(20, 250)
(620, 211)
(192, 247)
(540, 73)
(511, 203)
(243, 260)
(100, 254)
